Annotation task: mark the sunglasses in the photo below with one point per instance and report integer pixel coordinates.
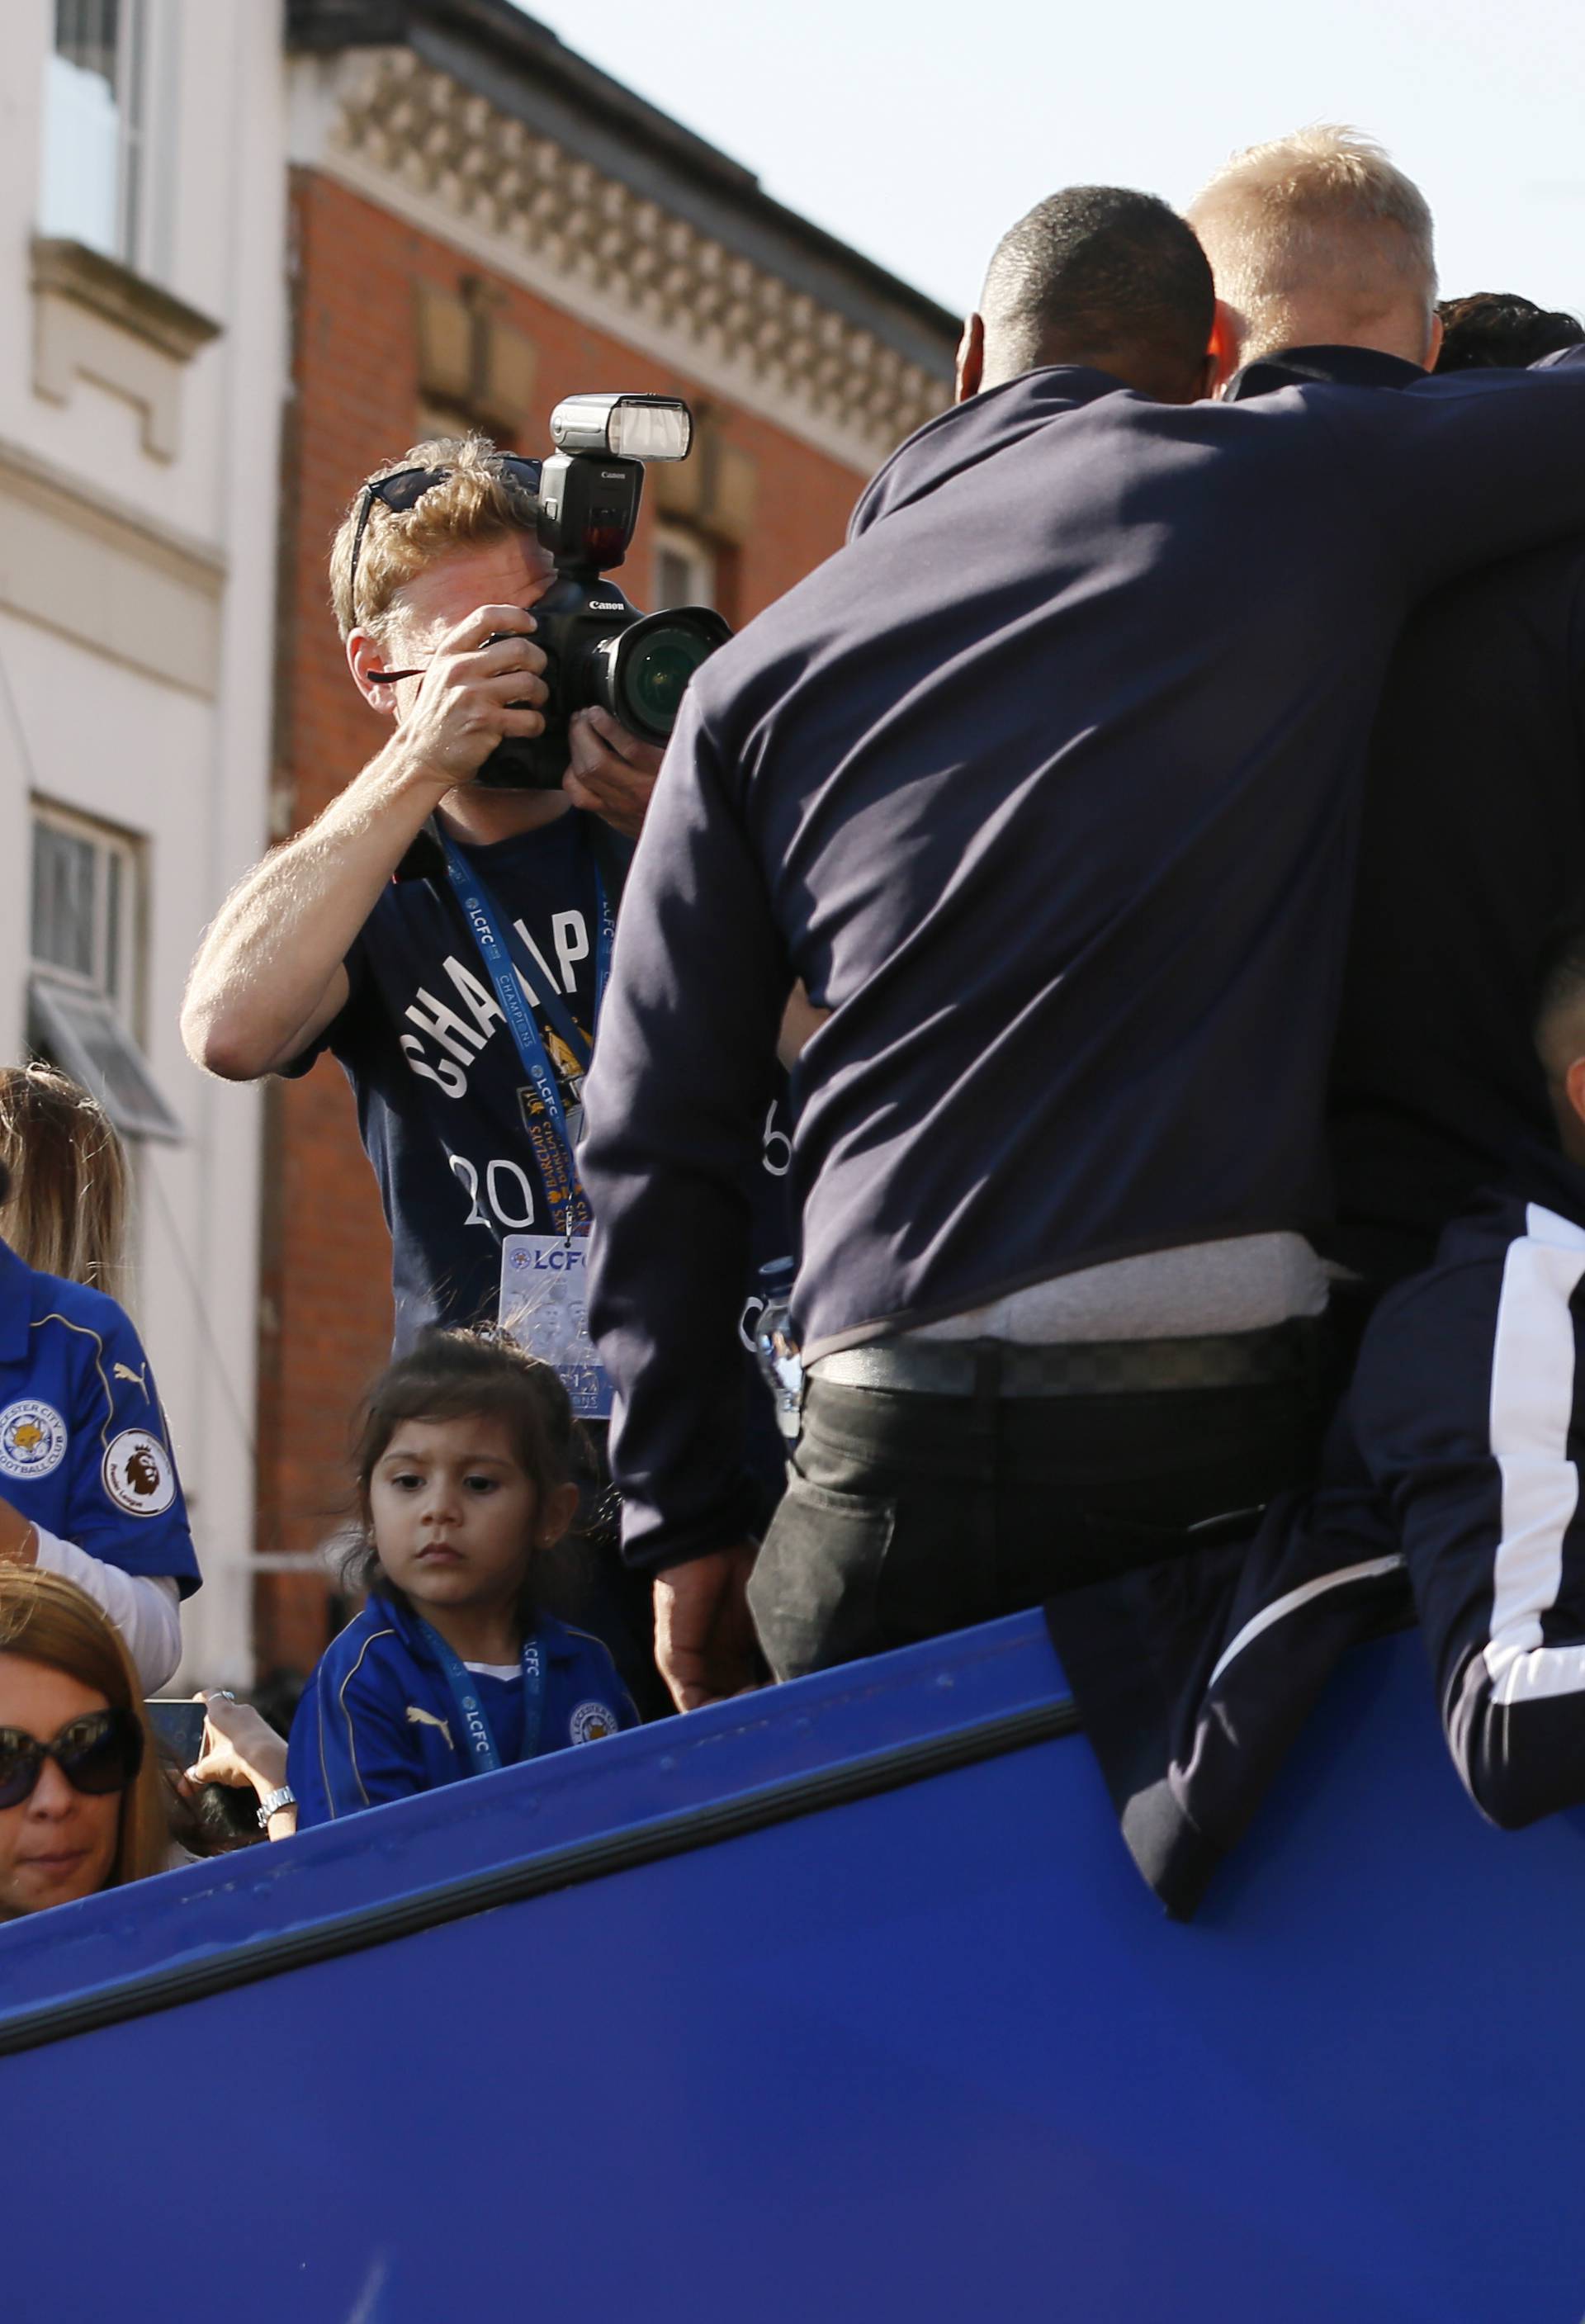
(406, 488)
(98, 1753)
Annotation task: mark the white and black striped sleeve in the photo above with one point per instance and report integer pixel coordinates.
(1468, 1408)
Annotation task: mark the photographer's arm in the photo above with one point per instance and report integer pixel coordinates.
(268, 976)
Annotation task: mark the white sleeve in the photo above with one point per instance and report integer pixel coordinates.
(146, 1608)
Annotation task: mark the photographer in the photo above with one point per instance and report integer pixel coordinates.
(350, 938)
(360, 933)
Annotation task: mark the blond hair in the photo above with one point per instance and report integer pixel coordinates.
(477, 502)
(1318, 223)
(45, 1618)
(64, 1209)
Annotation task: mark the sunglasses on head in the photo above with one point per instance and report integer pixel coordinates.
(406, 488)
(98, 1753)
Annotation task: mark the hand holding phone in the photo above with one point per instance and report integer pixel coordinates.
(180, 1724)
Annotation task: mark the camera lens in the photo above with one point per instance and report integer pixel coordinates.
(654, 674)
(641, 674)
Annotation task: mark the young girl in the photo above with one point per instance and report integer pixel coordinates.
(464, 1468)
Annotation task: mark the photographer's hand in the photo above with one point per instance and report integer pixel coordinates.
(470, 696)
(612, 773)
(705, 1644)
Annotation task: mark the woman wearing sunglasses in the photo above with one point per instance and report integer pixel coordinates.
(80, 1801)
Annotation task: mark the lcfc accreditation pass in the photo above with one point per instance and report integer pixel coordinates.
(544, 1306)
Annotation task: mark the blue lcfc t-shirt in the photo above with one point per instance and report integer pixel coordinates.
(439, 1085)
(436, 1072)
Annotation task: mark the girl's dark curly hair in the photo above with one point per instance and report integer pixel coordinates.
(455, 1376)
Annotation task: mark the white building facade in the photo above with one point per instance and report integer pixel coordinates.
(143, 359)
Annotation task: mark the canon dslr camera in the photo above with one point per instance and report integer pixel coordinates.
(599, 651)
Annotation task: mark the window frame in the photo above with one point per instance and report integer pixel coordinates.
(696, 552)
(73, 1013)
(118, 911)
(129, 89)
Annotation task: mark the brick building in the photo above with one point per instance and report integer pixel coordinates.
(480, 223)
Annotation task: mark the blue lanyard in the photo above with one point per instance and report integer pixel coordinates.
(547, 1122)
(470, 1707)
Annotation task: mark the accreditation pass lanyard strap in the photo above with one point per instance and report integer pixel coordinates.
(550, 1135)
(470, 1707)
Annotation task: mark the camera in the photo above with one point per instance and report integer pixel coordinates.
(601, 653)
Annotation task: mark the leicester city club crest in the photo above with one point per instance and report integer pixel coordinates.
(591, 1722)
(32, 1439)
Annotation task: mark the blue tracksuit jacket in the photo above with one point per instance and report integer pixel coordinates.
(1450, 1492)
(377, 1721)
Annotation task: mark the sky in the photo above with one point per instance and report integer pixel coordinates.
(917, 133)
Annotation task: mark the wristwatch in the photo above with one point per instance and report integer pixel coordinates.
(274, 1802)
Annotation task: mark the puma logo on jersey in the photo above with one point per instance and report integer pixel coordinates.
(417, 1718)
(133, 1380)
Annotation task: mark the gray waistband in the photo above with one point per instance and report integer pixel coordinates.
(1283, 1352)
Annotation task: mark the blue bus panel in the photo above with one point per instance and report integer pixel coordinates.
(843, 2001)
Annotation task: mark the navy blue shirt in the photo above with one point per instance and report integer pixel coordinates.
(84, 1449)
(1472, 842)
(438, 1083)
(1047, 786)
(378, 1721)
(436, 1072)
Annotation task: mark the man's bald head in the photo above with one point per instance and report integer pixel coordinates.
(1317, 240)
(1099, 276)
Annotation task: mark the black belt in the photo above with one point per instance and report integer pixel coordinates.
(1280, 1354)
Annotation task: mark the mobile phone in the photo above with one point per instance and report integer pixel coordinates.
(179, 1726)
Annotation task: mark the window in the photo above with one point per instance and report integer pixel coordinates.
(83, 880)
(82, 996)
(94, 126)
(683, 569)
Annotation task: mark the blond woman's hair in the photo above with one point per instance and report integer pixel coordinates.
(478, 503)
(64, 1209)
(45, 1618)
(1318, 221)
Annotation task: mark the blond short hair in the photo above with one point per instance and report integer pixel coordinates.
(477, 503)
(1321, 218)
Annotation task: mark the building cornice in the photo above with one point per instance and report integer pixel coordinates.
(679, 270)
(112, 290)
(79, 560)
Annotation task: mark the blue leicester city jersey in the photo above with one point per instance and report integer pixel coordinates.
(378, 1720)
(84, 1452)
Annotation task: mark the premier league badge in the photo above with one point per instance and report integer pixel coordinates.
(138, 1474)
(32, 1439)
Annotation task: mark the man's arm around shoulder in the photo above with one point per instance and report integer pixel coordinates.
(1461, 470)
